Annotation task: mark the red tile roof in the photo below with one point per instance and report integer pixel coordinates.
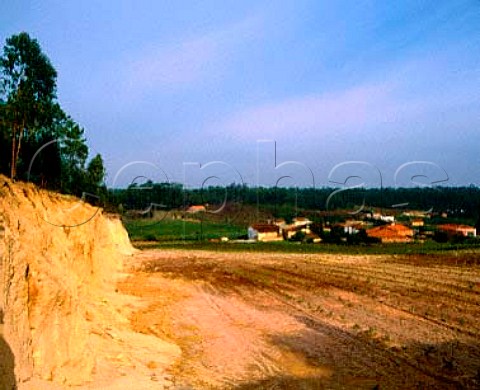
(265, 228)
(196, 208)
(390, 231)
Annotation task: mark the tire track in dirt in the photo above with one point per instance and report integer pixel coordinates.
(315, 322)
(433, 321)
(313, 319)
(416, 281)
(382, 357)
(280, 284)
(393, 295)
(378, 277)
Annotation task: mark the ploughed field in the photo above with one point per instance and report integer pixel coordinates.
(314, 321)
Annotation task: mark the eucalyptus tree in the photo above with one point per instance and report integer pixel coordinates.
(28, 91)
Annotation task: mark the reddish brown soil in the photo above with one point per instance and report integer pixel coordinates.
(278, 321)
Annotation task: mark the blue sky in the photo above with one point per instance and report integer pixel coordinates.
(194, 89)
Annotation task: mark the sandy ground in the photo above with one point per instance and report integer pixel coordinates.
(210, 320)
(275, 321)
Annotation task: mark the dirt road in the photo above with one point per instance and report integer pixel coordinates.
(277, 321)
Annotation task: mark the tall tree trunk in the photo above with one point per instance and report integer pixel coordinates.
(13, 162)
(19, 143)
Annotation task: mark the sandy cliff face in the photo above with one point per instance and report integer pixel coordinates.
(59, 257)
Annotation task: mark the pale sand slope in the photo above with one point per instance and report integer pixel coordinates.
(63, 323)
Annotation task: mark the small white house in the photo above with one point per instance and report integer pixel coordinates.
(301, 221)
(264, 232)
(387, 218)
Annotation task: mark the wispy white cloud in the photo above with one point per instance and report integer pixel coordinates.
(188, 62)
(310, 115)
(411, 90)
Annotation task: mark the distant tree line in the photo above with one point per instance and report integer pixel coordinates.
(39, 142)
(457, 202)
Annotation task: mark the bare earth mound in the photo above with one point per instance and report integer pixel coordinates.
(61, 322)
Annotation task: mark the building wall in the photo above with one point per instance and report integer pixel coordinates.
(269, 236)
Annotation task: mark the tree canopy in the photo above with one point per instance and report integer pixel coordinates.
(28, 90)
(38, 140)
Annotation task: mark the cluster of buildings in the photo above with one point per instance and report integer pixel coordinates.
(381, 228)
(279, 230)
(373, 225)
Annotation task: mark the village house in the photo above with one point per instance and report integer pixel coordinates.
(299, 224)
(416, 214)
(384, 218)
(301, 221)
(387, 218)
(453, 229)
(391, 233)
(264, 232)
(351, 226)
(195, 209)
(288, 231)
